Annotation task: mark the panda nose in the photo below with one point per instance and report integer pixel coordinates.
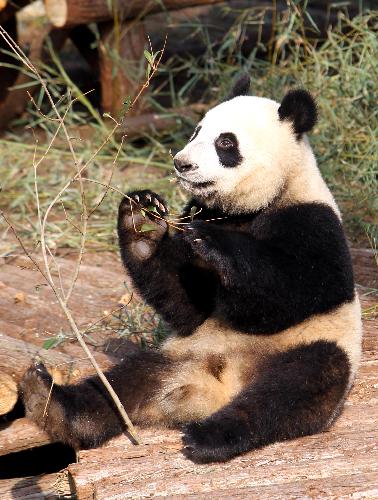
(183, 166)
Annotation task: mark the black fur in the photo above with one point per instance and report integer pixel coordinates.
(241, 87)
(84, 415)
(285, 264)
(299, 107)
(296, 393)
(182, 292)
(229, 157)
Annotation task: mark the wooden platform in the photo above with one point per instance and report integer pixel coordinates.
(341, 463)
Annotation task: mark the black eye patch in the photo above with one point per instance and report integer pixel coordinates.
(227, 148)
(195, 133)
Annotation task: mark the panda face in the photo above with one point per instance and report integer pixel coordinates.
(240, 155)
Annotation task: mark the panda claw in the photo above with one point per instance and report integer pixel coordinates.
(148, 196)
(136, 198)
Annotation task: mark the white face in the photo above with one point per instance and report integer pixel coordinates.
(240, 155)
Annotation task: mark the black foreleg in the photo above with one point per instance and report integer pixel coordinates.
(84, 415)
(295, 393)
(161, 265)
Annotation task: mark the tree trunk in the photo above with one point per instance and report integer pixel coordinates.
(72, 12)
(121, 73)
(13, 102)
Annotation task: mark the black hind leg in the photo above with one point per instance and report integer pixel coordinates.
(296, 393)
(83, 415)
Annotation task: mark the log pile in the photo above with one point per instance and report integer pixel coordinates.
(127, 27)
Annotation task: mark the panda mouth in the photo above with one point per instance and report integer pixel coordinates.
(195, 186)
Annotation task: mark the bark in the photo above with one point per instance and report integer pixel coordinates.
(20, 435)
(48, 487)
(13, 102)
(153, 122)
(120, 70)
(365, 266)
(72, 12)
(16, 356)
(332, 461)
(8, 393)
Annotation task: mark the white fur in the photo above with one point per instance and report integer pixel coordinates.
(275, 165)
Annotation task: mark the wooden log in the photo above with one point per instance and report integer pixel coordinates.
(16, 356)
(21, 434)
(8, 9)
(162, 470)
(218, 19)
(7, 75)
(46, 486)
(137, 126)
(64, 13)
(8, 393)
(365, 266)
(14, 101)
(121, 74)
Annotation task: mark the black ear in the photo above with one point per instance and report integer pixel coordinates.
(299, 107)
(241, 87)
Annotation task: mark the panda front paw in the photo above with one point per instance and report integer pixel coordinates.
(145, 199)
(141, 223)
(216, 439)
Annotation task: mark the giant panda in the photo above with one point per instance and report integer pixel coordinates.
(255, 281)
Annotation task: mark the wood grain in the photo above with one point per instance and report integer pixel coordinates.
(20, 435)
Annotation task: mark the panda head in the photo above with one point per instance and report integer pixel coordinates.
(245, 151)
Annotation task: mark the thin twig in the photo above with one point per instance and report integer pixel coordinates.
(42, 221)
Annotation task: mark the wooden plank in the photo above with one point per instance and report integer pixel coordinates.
(20, 435)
